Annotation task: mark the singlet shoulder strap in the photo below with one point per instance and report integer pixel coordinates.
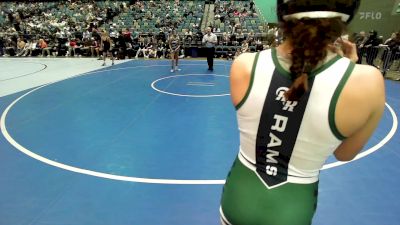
(250, 83)
(335, 98)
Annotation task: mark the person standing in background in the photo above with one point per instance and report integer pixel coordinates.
(209, 40)
(174, 47)
(371, 47)
(391, 52)
(105, 45)
(360, 40)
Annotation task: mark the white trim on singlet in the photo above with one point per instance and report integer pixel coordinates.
(224, 220)
(250, 112)
(313, 129)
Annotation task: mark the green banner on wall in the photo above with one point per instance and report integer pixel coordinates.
(267, 9)
(382, 15)
(396, 8)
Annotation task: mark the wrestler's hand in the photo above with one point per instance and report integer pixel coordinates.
(349, 49)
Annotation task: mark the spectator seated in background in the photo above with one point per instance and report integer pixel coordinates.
(11, 47)
(189, 35)
(141, 47)
(152, 52)
(240, 37)
(161, 49)
(74, 46)
(148, 48)
(95, 47)
(259, 45)
(245, 47)
(86, 48)
(250, 37)
(26, 48)
(226, 39)
(216, 30)
(127, 35)
(86, 35)
(237, 53)
(32, 48)
(20, 46)
(44, 47)
(2, 46)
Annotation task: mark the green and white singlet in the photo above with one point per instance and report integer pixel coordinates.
(283, 144)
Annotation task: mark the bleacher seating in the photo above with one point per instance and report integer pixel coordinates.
(145, 17)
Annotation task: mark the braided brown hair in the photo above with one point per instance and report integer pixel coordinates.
(310, 39)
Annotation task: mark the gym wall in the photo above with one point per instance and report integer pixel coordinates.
(382, 15)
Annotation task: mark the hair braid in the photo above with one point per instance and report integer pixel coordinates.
(310, 39)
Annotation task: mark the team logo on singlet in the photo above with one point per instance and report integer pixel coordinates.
(287, 105)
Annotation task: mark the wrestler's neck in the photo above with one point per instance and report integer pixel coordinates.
(285, 49)
(285, 57)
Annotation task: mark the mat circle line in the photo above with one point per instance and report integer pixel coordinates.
(31, 73)
(31, 154)
(153, 85)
